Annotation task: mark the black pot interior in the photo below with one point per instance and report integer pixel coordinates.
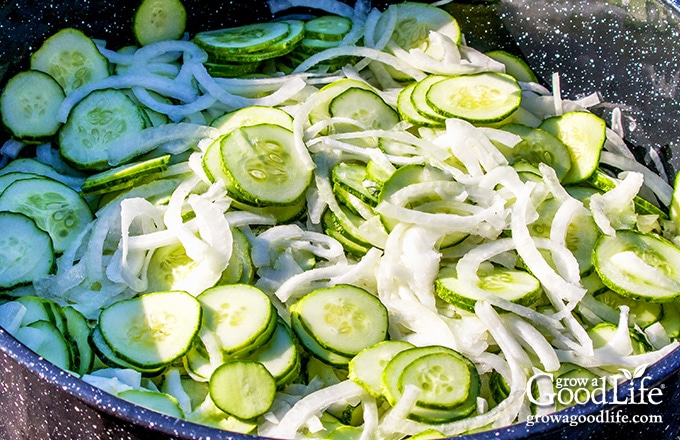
(629, 55)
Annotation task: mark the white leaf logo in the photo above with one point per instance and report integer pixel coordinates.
(640, 371)
(626, 373)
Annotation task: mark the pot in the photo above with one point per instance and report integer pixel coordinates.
(625, 50)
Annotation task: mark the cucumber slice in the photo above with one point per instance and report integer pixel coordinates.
(253, 115)
(643, 313)
(328, 27)
(343, 319)
(671, 319)
(512, 285)
(321, 112)
(414, 23)
(408, 111)
(582, 233)
(11, 177)
(159, 20)
(366, 368)
(315, 348)
(537, 146)
(263, 165)
(55, 208)
(441, 377)
(101, 117)
(282, 213)
(280, 356)
(639, 266)
(241, 316)
(240, 267)
(152, 330)
(106, 355)
(421, 104)
(392, 385)
(244, 389)
(478, 98)
(45, 339)
(277, 49)
(584, 135)
(604, 182)
(153, 400)
(365, 107)
(71, 58)
(514, 65)
(26, 251)
(604, 332)
(124, 176)
(353, 179)
(333, 228)
(29, 104)
(79, 331)
(242, 39)
(33, 166)
(225, 69)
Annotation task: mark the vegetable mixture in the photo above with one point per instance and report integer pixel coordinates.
(348, 224)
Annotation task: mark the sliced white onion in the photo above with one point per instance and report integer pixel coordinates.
(366, 52)
(314, 404)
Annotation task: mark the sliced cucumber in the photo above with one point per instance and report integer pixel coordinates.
(343, 319)
(79, 331)
(159, 20)
(328, 27)
(242, 39)
(643, 313)
(537, 146)
(315, 348)
(441, 377)
(421, 104)
(263, 165)
(29, 104)
(71, 58)
(152, 330)
(280, 356)
(106, 356)
(392, 384)
(277, 49)
(365, 107)
(55, 208)
(514, 65)
(582, 233)
(479, 98)
(352, 178)
(253, 115)
(320, 112)
(333, 228)
(584, 135)
(26, 251)
(639, 266)
(44, 338)
(153, 400)
(414, 23)
(95, 122)
(244, 389)
(512, 285)
(241, 316)
(604, 182)
(604, 332)
(408, 111)
(366, 368)
(124, 176)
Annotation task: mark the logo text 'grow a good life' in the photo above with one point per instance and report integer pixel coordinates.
(572, 390)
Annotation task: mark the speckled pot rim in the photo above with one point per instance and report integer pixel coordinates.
(162, 424)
